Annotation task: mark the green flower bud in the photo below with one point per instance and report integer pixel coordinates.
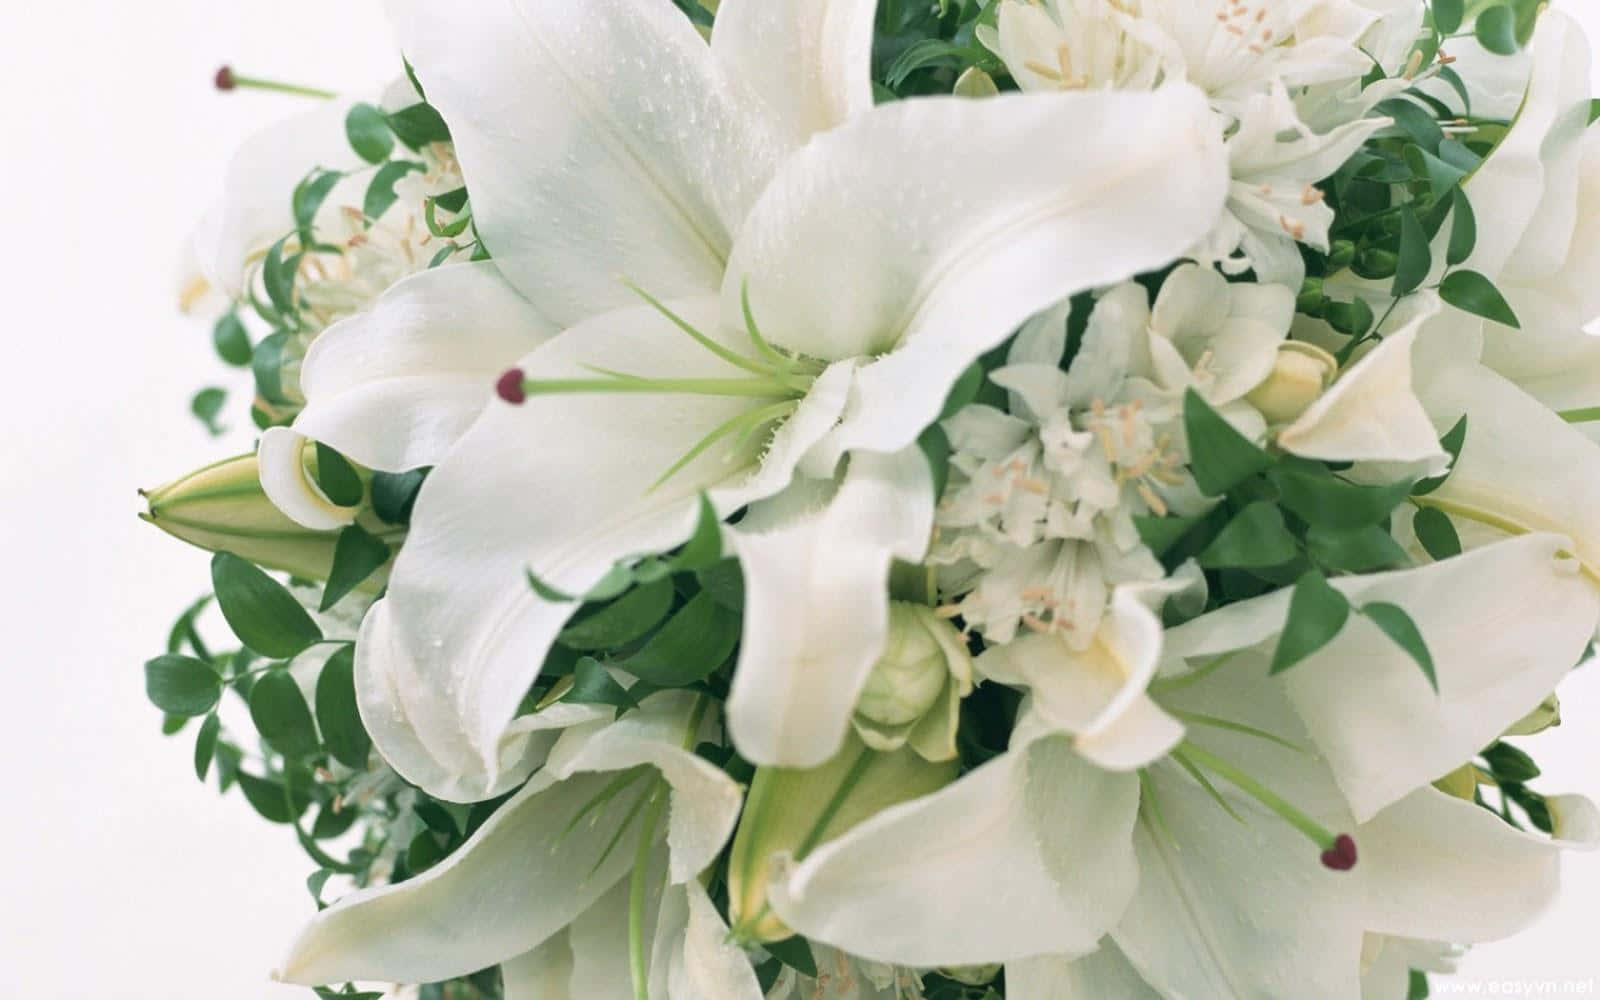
(1340, 256)
(791, 812)
(1301, 373)
(1311, 297)
(974, 82)
(222, 508)
(1546, 716)
(1377, 264)
(1463, 782)
(913, 695)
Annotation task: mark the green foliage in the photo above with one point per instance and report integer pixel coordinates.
(1219, 456)
(622, 621)
(231, 339)
(337, 478)
(1256, 537)
(395, 493)
(181, 685)
(1436, 533)
(380, 190)
(356, 556)
(281, 715)
(207, 405)
(795, 952)
(1397, 625)
(419, 125)
(697, 640)
(261, 612)
(1317, 613)
(1471, 292)
(367, 129)
(1496, 30)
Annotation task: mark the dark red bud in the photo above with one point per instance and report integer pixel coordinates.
(225, 78)
(509, 387)
(1341, 857)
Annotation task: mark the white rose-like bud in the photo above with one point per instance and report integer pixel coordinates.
(1574, 818)
(914, 692)
(1301, 373)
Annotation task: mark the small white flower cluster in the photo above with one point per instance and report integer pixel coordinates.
(1039, 522)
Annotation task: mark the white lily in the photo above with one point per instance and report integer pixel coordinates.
(929, 257)
(584, 884)
(1380, 734)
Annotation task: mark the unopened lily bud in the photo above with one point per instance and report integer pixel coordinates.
(790, 813)
(1573, 818)
(1546, 716)
(1311, 297)
(913, 695)
(975, 83)
(1342, 253)
(222, 508)
(1300, 374)
(1463, 782)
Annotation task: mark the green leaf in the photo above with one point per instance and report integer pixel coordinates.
(1415, 121)
(281, 714)
(309, 195)
(1319, 499)
(1159, 534)
(1471, 292)
(1510, 764)
(704, 547)
(1254, 538)
(395, 493)
(368, 130)
(207, 405)
(725, 583)
(693, 643)
(380, 191)
(1436, 533)
(1220, 456)
(337, 714)
(337, 478)
(356, 556)
(1463, 230)
(1447, 15)
(419, 125)
(964, 391)
(1594, 110)
(795, 953)
(267, 365)
(231, 340)
(261, 612)
(1397, 625)
(627, 618)
(1317, 613)
(277, 277)
(1417, 988)
(268, 797)
(1496, 30)
(332, 823)
(1415, 257)
(935, 447)
(1452, 443)
(1363, 550)
(592, 684)
(181, 685)
(1354, 318)
(205, 745)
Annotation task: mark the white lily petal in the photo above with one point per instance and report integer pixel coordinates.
(280, 457)
(520, 879)
(1242, 910)
(564, 485)
(816, 608)
(1387, 961)
(254, 210)
(1522, 468)
(810, 60)
(1503, 624)
(545, 973)
(1028, 854)
(705, 801)
(1099, 976)
(602, 141)
(707, 965)
(1372, 414)
(1098, 694)
(1453, 870)
(394, 387)
(1523, 193)
(926, 223)
(599, 937)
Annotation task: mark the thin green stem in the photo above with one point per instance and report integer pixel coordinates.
(731, 357)
(279, 87)
(840, 794)
(638, 961)
(749, 423)
(1317, 833)
(619, 382)
(1216, 722)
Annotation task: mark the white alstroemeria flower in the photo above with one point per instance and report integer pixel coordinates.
(1079, 848)
(1388, 40)
(1073, 45)
(631, 415)
(554, 882)
(1273, 202)
(1038, 525)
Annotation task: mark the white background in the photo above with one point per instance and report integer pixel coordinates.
(120, 876)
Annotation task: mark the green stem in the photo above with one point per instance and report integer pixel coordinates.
(638, 961)
(1317, 833)
(278, 87)
(759, 388)
(840, 794)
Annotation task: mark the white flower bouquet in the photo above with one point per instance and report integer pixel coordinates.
(961, 499)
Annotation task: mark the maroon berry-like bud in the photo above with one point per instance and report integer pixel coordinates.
(509, 387)
(225, 78)
(1341, 857)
